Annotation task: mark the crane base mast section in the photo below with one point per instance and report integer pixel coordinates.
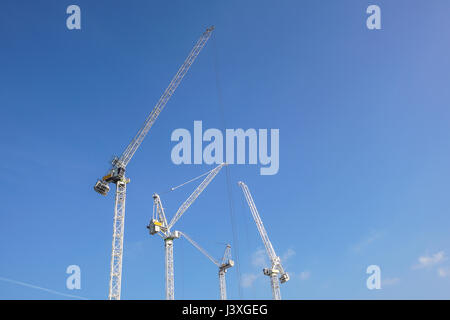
(275, 284)
(117, 242)
(223, 285)
(170, 279)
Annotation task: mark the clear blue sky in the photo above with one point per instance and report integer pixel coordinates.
(364, 144)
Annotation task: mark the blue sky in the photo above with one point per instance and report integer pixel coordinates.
(364, 145)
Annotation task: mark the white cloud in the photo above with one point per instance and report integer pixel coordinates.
(429, 261)
(389, 281)
(259, 259)
(372, 237)
(288, 254)
(304, 275)
(248, 279)
(444, 272)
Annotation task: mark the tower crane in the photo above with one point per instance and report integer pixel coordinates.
(276, 271)
(225, 263)
(159, 225)
(116, 175)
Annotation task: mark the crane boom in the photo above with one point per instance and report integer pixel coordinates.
(186, 204)
(195, 244)
(259, 223)
(119, 164)
(276, 269)
(137, 140)
(223, 265)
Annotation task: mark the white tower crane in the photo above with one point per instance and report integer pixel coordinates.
(116, 174)
(276, 269)
(159, 225)
(225, 263)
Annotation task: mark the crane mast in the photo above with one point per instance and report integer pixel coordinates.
(223, 284)
(159, 225)
(223, 265)
(116, 174)
(117, 242)
(276, 272)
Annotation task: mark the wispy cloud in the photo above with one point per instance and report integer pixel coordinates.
(287, 255)
(259, 258)
(389, 282)
(444, 272)
(23, 284)
(430, 260)
(304, 275)
(248, 279)
(372, 237)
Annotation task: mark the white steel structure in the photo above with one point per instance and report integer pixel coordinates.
(116, 174)
(276, 269)
(225, 263)
(159, 225)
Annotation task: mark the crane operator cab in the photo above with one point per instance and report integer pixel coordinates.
(117, 173)
(228, 264)
(154, 227)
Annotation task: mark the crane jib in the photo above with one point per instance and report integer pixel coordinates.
(276, 272)
(137, 140)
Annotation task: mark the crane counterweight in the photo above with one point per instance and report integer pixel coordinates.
(101, 187)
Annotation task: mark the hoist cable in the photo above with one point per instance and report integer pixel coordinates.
(228, 178)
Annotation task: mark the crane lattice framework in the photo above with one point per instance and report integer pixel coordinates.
(116, 175)
(159, 225)
(224, 264)
(276, 272)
